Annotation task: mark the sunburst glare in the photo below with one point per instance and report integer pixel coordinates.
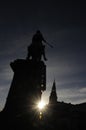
(41, 105)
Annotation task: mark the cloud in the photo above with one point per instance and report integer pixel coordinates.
(73, 95)
(3, 95)
(83, 90)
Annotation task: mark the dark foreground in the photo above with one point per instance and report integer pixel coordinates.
(60, 116)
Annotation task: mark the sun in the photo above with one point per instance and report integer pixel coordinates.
(41, 105)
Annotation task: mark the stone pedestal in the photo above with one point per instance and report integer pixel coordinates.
(28, 82)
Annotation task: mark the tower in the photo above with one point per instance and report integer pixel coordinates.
(53, 95)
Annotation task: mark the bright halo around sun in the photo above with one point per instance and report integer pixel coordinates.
(41, 105)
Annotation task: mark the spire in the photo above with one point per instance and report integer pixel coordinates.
(53, 95)
(54, 86)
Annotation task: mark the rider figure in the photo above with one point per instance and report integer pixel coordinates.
(37, 43)
(38, 37)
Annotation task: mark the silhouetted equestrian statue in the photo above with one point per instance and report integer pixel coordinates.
(36, 50)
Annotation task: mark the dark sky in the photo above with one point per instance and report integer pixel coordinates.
(63, 24)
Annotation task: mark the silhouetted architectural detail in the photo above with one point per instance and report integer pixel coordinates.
(29, 81)
(26, 89)
(36, 50)
(20, 112)
(53, 95)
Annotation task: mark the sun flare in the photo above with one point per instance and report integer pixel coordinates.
(41, 105)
